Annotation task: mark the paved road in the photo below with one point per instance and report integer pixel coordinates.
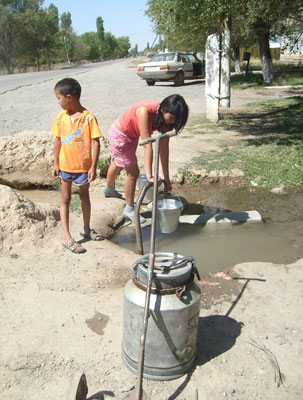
(27, 101)
(16, 81)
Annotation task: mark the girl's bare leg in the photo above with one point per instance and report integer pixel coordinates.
(130, 183)
(112, 173)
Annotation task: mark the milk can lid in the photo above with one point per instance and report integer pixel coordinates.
(170, 269)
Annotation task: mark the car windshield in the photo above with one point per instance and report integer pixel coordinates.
(163, 57)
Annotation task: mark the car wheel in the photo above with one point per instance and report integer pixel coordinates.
(179, 79)
(150, 83)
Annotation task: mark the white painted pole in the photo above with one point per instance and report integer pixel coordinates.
(212, 76)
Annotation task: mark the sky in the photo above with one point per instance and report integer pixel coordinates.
(120, 18)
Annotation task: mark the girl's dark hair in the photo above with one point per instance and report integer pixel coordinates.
(176, 105)
(69, 86)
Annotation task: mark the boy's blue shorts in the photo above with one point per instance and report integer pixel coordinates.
(78, 179)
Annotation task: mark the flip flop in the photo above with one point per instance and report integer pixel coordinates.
(74, 247)
(92, 235)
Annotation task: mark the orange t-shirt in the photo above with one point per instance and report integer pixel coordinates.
(129, 121)
(76, 135)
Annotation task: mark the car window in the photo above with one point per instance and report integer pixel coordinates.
(163, 57)
(184, 58)
(192, 58)
(170, 57)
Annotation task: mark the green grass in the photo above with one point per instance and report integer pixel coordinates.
(284, 75)
(273, 153)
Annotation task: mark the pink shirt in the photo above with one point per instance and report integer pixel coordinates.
(129, 121)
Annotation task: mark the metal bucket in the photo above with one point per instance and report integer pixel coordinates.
(142, 179)
(171, 338)
(168, 213)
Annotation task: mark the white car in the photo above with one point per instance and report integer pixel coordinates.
(172, 66)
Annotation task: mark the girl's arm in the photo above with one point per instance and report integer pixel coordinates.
(143, 123)
(57, 147)
(96, 151)
(164, 157)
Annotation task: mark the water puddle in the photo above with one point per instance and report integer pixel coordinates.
(43, 196)
(218, 247)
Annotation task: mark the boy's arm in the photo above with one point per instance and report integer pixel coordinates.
(95, 156)
(57, 147)
(164, 157)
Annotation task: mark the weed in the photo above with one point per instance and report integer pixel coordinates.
(14, 255)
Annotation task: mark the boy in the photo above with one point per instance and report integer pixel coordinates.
(76, 131)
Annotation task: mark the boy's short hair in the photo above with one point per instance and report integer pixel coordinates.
(69, 86)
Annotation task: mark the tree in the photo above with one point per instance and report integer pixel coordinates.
(267, 18)
(109, 45)
(183, 21)
(66, 29)
(39, 30)
(13, 15)
(100, 29)
(122, 48)
(92, 42)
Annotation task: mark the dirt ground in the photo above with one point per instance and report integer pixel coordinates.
(62, 314)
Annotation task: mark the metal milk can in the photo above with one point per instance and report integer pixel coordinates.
(171, 338)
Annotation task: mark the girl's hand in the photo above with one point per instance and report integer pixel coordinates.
(151, 179)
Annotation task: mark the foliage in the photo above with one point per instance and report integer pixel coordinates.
(91, 40)
(186, 24)
(31, 34)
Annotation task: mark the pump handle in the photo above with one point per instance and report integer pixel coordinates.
(158, 137)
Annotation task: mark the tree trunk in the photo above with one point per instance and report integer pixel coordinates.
(7, 64)
(236, 58)
(225, 63)
(266, 60)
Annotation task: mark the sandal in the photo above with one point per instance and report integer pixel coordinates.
(74, 247)
(92, 235)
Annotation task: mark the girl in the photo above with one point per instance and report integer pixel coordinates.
(140, 121)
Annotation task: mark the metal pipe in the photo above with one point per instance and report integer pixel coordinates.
(151, 261)
(142, 193)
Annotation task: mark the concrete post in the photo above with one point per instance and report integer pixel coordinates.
(212, 76)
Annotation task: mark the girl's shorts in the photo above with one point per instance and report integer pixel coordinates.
(123, 147)
(78, 179)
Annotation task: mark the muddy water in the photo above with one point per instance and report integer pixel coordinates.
(218, 247)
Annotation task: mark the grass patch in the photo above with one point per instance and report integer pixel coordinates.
(273, 153)
(284, 75)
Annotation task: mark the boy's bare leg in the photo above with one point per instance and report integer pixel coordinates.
(112, 173)
(66, 189)
(130, 183)
(86, 207)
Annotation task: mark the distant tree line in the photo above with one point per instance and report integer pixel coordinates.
(33, 35)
